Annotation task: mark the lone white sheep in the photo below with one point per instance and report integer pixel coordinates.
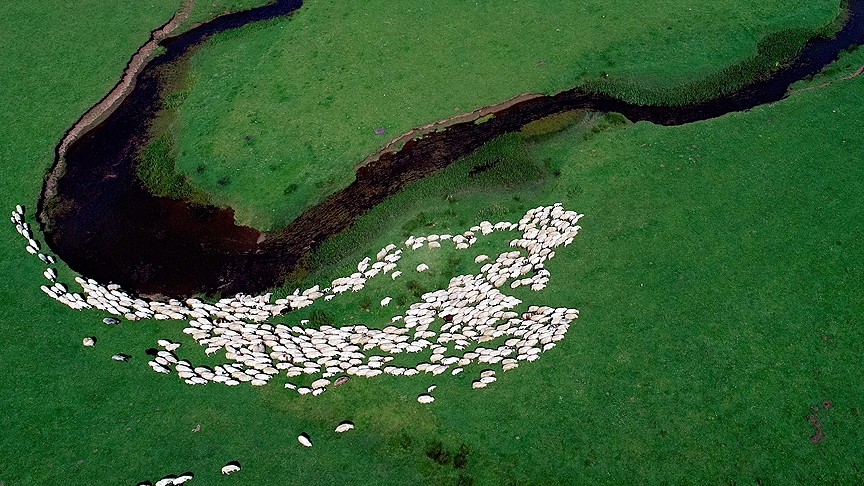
(425, 398)
(182, 478)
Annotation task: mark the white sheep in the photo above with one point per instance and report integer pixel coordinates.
(425, 398)
(304, 440)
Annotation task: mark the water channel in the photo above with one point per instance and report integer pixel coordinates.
(104, 225)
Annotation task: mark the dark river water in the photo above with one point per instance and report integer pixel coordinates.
(104, 225)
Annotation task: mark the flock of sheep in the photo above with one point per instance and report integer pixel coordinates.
(470, 321)
(452, 324)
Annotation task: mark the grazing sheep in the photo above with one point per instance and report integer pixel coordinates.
(231, 467)
(183, 478)
(320, 383)
(169, 479)
(344, 426)
(473, 312)
(121, 357)
(89, 341)
(304, 440)
(341, 380)
(425, 398)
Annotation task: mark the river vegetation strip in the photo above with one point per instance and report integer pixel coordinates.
(104, 225)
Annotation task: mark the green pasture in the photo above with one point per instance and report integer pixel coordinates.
(718, 274)
(277, 114)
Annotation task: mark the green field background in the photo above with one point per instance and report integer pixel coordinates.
(718, 274)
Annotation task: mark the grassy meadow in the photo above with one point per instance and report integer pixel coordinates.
(719, 277)
(276, 114)
(718, 274)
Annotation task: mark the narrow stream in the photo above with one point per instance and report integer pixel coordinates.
(103, 224)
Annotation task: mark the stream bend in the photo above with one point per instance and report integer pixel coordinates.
(97, 217)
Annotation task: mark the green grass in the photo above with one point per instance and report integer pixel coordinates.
(296, 101)
(719, 277)
(157, 173)
(720, 364)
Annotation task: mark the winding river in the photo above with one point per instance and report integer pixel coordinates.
(97, 217)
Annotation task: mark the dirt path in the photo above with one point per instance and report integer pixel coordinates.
(107, 105)
(829, 83)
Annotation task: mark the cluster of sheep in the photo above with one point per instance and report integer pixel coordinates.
(113, 299)
(171, 479)
(57, 289)
(471, 311)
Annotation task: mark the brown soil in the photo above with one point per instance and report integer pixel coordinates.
(844, 78)
(815, 438)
